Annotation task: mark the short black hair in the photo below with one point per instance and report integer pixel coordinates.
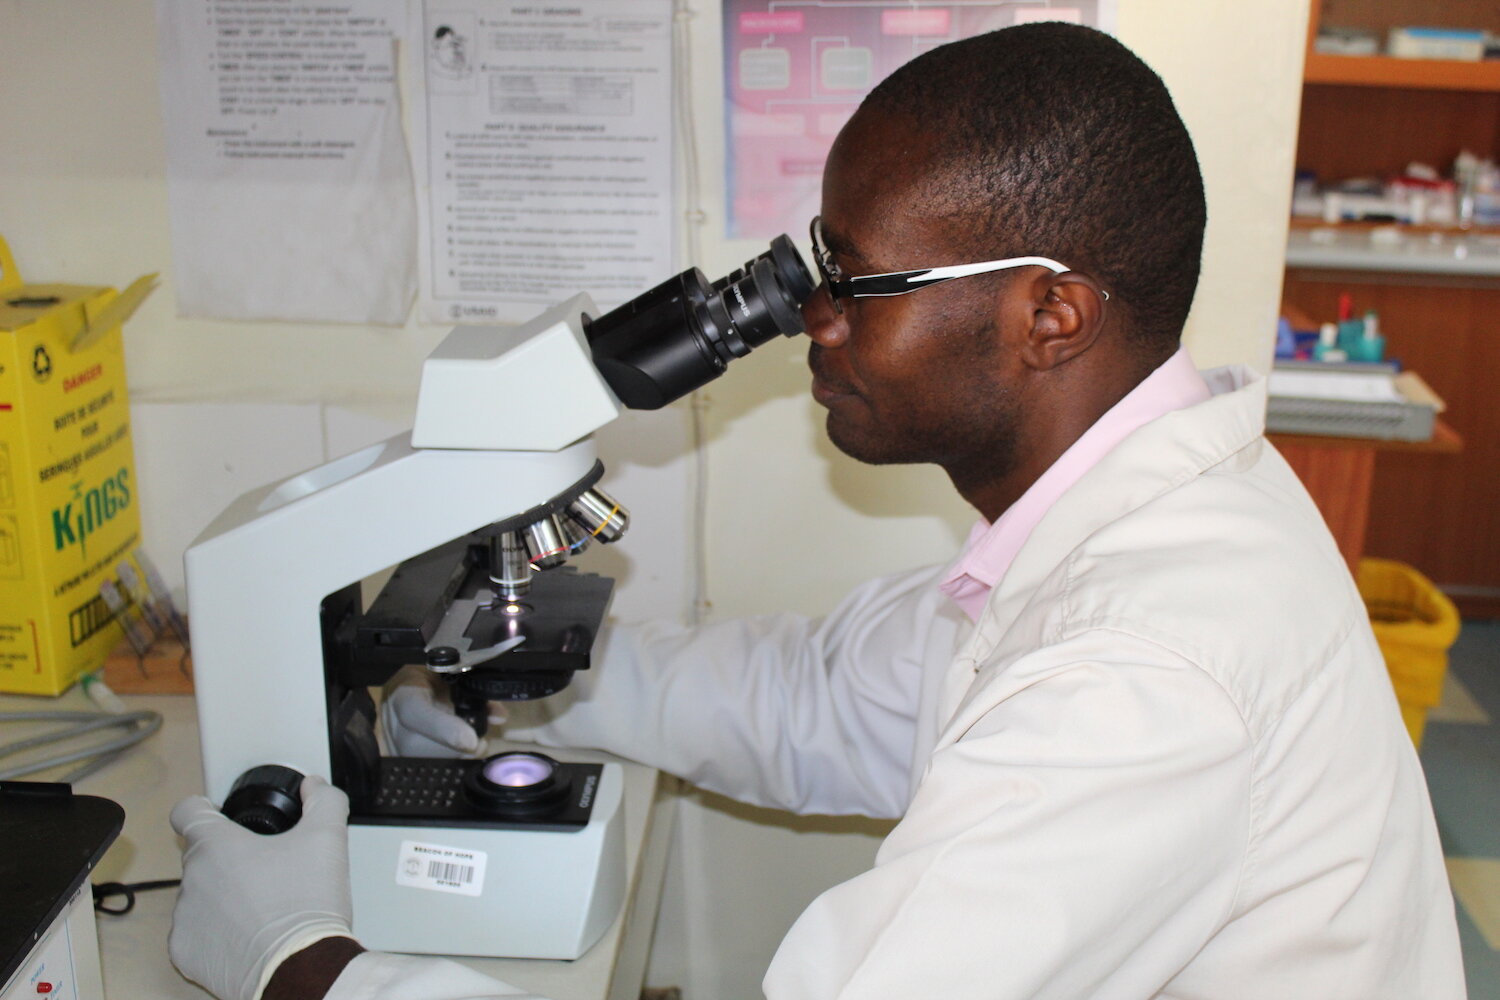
(1064, 144)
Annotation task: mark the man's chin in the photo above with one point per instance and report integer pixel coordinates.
(862, 444)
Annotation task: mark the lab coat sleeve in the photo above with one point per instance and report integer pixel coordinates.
(782, 711)
(379, 976)
(1080, 832)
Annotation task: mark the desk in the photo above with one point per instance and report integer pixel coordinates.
(1338, 472)
(167, 767)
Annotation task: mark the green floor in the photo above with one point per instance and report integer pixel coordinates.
(1461, 754)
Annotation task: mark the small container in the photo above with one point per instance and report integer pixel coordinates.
(1286, 339)
(1351, 332)
(1328, 348)
(1370, 346)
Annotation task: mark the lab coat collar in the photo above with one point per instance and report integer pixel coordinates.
(1155, 458)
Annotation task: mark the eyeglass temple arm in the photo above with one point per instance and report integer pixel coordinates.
(900, 282)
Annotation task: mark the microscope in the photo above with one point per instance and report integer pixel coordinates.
(478, 508)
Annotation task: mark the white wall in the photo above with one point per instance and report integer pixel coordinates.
(220, 407)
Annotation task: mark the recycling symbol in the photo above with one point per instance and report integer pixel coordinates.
(41, 363)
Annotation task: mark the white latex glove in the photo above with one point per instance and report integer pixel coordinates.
(248, 900)
(417, 720)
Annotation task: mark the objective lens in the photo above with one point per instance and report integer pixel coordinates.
(510, 564)
(546, 542)
(518, 770)
(578, 536)
(600, 515)
(683, 333)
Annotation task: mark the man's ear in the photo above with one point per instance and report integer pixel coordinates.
(1067, 315)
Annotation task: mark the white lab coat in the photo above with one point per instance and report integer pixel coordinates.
(1166, 762)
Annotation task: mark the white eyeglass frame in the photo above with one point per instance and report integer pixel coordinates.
(842, 286)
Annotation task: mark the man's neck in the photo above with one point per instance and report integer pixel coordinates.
(1051, 427)
(993, 487)
(993, 496)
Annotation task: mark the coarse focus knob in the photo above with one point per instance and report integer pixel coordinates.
(266, 799)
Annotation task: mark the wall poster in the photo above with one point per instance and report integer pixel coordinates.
(543, 145)
(795, 70)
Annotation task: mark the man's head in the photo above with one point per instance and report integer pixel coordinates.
(1057, 140)
(1045, 140)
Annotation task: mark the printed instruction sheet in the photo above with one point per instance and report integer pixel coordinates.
(795, 70)
(543, 142)
(290, 187)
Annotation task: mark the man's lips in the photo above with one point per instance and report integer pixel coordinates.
(824, 387)
(825, 392)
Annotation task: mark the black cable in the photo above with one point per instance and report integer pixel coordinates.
(108, 890)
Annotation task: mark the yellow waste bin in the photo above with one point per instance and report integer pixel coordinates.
(1415, 624)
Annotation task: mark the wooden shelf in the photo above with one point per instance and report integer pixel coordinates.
(1301, 223)
(1462, 257)
(1445, 441)
(1416, 74)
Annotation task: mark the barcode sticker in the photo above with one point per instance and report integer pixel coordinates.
(442, 869)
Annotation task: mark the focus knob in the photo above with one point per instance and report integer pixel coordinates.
(266, 799)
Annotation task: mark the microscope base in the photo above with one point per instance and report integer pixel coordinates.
(494, 892)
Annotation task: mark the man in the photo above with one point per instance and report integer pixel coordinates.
(1163, 761)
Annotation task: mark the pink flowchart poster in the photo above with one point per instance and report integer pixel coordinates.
(795, 70)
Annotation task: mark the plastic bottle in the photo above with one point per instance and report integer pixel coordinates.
(1371, 345)
(1286, 340)
(1350, 333)
(1465, 171)
(1328, 348)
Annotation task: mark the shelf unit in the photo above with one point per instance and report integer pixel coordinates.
(1412, 74)
(1474, 256)
(1364, 115)
(1380, 16)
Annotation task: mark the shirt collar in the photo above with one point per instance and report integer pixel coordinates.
(991, 548)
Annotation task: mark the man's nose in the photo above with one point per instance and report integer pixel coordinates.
(825, 325)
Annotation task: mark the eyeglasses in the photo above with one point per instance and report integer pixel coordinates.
(842, 286)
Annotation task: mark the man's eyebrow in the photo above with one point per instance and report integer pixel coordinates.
(839, 244)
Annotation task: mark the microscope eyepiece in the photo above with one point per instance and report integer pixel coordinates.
(683, 333)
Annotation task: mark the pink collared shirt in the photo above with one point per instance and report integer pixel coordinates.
(991, 548)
